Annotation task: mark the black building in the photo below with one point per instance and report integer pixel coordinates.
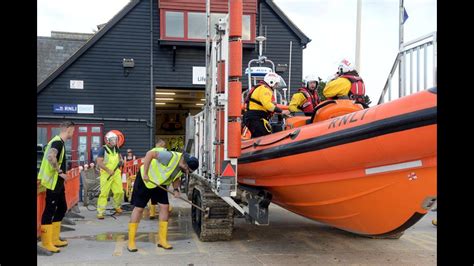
(140, 73)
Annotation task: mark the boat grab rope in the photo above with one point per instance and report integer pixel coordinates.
(292, 135)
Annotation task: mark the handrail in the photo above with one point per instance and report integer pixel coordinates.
(410, 51)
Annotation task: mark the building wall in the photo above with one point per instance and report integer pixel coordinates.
(113, 94)
(116, 95)
(276, 49)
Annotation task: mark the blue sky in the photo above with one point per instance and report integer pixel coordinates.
(329, 23)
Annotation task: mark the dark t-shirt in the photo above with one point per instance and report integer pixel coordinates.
(59, 145)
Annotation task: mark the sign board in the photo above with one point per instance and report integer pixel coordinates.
(65, 108)
(73, 108)
(76, 84)
(258, 71)
(85, 108)
(199, 75)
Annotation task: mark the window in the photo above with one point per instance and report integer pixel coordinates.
(174, 24)
(246, 27)
(68, 149)
(82, 149)
(95, 146)
(55, 131)
(95, 129)
(41, 136)
(184, 25)
(197, 25)
(82, 129)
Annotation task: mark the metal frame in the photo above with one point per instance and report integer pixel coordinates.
(417, 46)
(205, 122)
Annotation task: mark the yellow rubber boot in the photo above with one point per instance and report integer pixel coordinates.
(132, 230)
(56, 230)
(162, 235)
(152, 211)
(47, 238)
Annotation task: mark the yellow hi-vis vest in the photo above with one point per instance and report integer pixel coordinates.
(47, 174)
(163, 174)
(111, 160)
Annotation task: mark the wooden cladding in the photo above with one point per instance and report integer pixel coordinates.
(217, 6)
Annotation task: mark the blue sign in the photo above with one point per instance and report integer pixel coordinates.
(65, 108)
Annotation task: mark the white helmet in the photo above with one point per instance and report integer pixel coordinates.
(310, 78)
(344, 67)
(111, 138)
(271, 79)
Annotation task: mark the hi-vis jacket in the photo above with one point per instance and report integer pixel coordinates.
(163, 174)
(47, 174)
(111, 160)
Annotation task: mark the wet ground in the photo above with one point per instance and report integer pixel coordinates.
(288, 240)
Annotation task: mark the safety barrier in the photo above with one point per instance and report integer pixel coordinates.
(71, 187)
(130, 169)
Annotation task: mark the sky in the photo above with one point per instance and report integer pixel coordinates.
(330, 24)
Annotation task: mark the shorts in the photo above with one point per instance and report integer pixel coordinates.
(141, 194)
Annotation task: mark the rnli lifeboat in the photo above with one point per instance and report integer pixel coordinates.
(368, 171)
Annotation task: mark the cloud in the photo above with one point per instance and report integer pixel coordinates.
(331, 25)
(75, 16)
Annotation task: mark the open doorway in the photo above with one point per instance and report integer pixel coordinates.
(173, 105)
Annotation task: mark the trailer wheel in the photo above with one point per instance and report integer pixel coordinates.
(218, 222)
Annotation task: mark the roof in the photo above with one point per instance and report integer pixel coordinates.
(52, 52)
(304, 39)
(97, 36)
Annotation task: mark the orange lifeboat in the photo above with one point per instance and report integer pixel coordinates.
(367, 171)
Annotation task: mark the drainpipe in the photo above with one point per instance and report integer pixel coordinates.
(152, 88)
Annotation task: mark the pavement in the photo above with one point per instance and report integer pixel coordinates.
(289, 239)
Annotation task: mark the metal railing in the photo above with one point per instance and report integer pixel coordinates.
(417, 73)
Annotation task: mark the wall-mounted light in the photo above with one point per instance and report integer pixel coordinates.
(199, 104)
(160, 103)
(127, 64)
(203, 99)
(165, 93)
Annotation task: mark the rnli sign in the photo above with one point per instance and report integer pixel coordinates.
(73, 108)
(199, 75)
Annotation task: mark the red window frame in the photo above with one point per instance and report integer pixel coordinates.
(75, 138)
(185, 16)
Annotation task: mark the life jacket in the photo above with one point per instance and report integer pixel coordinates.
(312, 100)
(357, 87)
(249, 98)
